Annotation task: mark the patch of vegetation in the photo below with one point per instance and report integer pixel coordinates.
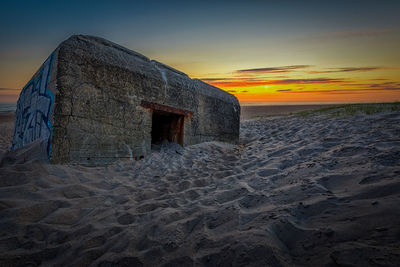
(353, 109)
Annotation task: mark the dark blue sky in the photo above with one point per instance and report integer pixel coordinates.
(205, 38)
(49, 22)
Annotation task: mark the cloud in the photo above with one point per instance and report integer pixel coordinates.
(358, 69)
(380, 79)
(251, 83)
(284, 90)
(306, 81)
(213, 79)
(355, 84)
(349, 91)
(241, 83)
(385, 84)
(282, 69)
(357, 33)
(349, 69)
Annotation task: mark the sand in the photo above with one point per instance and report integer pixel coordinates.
(251, 112)
(296, 191)
(6, 131)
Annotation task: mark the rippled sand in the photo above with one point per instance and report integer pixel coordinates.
(296, 191)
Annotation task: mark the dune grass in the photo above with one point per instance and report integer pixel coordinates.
(353, 109)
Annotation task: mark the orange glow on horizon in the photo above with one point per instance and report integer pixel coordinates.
(356, 85)
(350, 85)
(319, 97)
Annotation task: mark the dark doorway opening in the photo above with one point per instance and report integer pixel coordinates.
(166, 126)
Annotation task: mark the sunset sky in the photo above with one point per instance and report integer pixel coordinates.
(261, 51)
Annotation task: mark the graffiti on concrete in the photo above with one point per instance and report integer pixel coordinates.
(34, 106)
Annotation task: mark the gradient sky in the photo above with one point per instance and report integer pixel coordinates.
(261, 51)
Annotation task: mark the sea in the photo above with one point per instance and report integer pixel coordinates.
(8, 107)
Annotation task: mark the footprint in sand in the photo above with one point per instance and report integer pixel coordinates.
(67, 216)
(76, 191)
(126, 219)
(38, 211)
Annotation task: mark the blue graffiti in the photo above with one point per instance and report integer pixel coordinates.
(34, 106)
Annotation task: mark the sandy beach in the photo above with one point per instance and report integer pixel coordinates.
(252, 112)
(313, 190)
(6, 131)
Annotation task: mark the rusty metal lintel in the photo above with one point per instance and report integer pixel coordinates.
(154, 106)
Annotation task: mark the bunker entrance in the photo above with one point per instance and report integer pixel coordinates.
(166, 126)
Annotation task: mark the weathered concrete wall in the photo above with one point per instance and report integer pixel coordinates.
(99, 115)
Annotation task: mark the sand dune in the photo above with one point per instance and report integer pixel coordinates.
(296, 191)
(251, 112)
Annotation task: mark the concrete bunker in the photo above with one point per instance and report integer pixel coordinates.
(93, 102)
